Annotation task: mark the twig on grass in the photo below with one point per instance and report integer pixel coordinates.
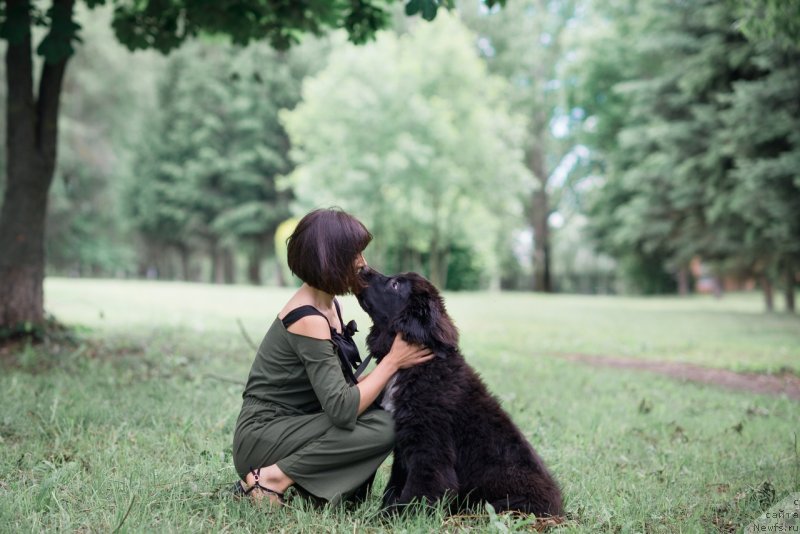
(244, 334)
(127, 512)
(224, 379)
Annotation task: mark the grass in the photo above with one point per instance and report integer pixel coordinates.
(732, 332)
(131, 430)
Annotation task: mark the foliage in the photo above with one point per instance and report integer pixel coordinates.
(506, 41)
(155, 25)
(411, 147)
(85, 227)
(144, 25)
(770, 20)
(658, 84)
(464, 271)
(761, 134)
(206, 173)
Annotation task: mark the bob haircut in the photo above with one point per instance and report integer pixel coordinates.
(323, 247)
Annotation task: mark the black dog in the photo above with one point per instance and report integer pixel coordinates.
(454, 441)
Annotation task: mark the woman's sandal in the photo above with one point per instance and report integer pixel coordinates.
(239, 491)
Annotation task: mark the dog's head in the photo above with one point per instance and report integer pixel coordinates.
(409, 304)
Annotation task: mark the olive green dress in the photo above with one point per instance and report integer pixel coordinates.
(299, 412)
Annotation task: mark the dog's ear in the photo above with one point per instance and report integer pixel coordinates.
(425, 321)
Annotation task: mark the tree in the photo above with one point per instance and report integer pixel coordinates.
(655, 108)
(766, 110)
(427, 162)
(762, 138)
(697, 129)
(32, 116)
(205, 175)
(525, 44)
(159, 196)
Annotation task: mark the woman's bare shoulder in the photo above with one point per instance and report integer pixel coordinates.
(315, 326)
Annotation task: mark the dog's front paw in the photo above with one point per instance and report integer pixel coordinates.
(390, 496)
(391, 506)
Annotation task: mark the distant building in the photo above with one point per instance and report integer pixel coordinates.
(706, 282)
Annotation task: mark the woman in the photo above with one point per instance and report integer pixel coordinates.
(305, 420)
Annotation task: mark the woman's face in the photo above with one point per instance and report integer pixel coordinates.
(360, 263)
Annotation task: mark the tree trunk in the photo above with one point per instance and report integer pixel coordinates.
(438, 264)
(165, 264)
(280, 279)
(434, 252)
(228, 266)
(186, 261)
(435, 268)
(405, 257)
(683, 281)
(444, 268)
(254, 269)
(789, 289)
(766, 287)
(254, 261)
(216, 262)
(416, 264)
(31, 135)
(717, 287)
(541, 239)
(540, 212)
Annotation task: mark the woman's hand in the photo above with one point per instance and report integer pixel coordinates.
(403, 355)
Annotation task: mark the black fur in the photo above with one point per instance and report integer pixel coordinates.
(454, 441)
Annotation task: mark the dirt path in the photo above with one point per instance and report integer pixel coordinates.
(782, 384)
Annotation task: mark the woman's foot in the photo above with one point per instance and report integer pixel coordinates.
(240, 490)
(268, 481)
(257, 494)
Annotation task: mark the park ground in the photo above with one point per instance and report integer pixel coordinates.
(128, 428)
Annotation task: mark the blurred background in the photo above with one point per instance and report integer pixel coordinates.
(577, 146)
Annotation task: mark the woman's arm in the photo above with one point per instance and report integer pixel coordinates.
(402, 355)
(313, 346)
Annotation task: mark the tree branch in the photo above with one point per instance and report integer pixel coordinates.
(19, 79)
(49, 98)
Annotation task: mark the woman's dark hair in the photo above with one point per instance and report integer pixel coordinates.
(323, 247)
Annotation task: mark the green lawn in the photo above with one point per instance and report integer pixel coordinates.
(133, 427)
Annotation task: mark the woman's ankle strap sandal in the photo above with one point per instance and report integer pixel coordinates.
(257, 484)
